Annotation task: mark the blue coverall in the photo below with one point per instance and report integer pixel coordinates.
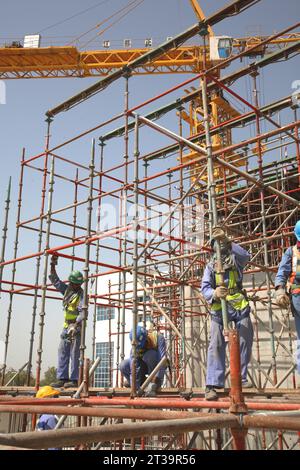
(146, 363)
(215, 375)
(282, 276)
(46, 423)
(68, 351)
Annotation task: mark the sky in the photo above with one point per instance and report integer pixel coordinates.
(22, 118)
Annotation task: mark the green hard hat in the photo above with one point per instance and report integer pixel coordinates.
(76, 277)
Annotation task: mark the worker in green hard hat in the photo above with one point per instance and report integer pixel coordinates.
(69, 347)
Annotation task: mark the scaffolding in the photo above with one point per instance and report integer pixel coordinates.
(148, 219)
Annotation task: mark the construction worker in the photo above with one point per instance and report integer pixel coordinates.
(234, 259)
(68, 350)
(151, 348)
(46, 422)
(289, 273)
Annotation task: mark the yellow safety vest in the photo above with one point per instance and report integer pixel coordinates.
(71, 310)
(236, 298)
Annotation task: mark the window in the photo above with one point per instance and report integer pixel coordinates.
(105, 313)
(127, 43)
(103, 373)
(143, 298)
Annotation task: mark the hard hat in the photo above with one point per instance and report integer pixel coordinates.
(141, 336)
(76, 277)
(47, 392)
(297, 230)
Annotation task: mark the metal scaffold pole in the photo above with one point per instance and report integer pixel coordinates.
(5, 228)
(14, 269)
(96, 279)
(123, 209)
(39, 248)
(264, 231)
(135, 258)
(211, 186)
(85, 303)
(45, 275)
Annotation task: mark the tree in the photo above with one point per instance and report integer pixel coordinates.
(20, 380)
(49, 376)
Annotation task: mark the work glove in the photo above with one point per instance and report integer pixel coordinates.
(220, 292)
(72, 331)
(54, 259)
(282, 299)
(218, 233)
(152, 388)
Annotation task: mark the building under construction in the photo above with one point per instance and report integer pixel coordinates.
(140, 232)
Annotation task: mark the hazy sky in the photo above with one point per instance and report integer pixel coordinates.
(22, 117)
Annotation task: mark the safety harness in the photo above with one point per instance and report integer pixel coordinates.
(235, 297)
(295, 274)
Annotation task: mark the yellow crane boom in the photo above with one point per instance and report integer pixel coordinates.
(57, 62)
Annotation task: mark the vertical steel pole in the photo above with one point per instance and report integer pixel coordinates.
(102, 145)
(135, 255)
(4, 238)
(39, 248)
(45, 275)
(124, 212)
(85, 393)
(14, 268)
(5, 228)
(264, 229)
(74, 215)
(145, 217)
(85, 304)
(212, 193)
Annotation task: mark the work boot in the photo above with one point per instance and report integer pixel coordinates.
(71, 384)
(210, 394)
(247, 384)
(58, 384)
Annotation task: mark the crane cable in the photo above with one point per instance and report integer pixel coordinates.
(74, 16)
(107, 19)
(115, 22)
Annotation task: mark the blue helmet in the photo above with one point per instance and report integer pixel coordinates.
(297, 230)
(141, 336)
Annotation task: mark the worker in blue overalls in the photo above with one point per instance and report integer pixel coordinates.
(151, 348)
(289, 273)
(69, 347)
(234, 259)
(47, 422)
